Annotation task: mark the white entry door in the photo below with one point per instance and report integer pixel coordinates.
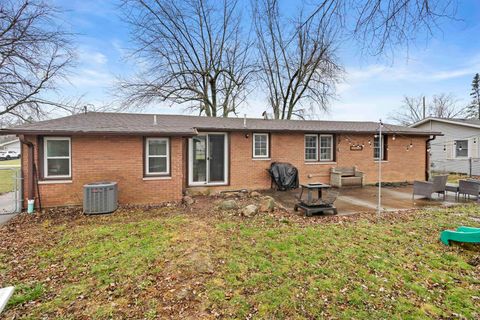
(208, 159)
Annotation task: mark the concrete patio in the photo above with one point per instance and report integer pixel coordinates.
(354, 200)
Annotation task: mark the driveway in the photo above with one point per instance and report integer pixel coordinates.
(354, 200)
(7, 206)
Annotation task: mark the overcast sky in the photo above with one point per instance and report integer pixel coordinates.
(372, 89)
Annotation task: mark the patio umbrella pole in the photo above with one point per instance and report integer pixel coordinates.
(380, 158)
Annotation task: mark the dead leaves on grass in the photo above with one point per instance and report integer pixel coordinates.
(174, 285)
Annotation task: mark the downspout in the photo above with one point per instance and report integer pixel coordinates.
(30, 188)
(427, 158)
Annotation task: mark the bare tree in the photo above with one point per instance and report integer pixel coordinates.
(411, 111)
(192, 52)
(380, 25)
(445, 106)
(34, 53)
(442, 106)
(297, 60)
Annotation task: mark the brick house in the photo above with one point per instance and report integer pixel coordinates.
(157, 158)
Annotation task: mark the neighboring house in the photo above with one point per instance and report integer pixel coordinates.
(157, 158)
(457, 150)
(13, 145)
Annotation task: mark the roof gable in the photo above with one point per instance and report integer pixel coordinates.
(472, 123)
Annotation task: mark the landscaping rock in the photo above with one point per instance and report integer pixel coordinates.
(228, 205)
(250, 211)
(201, 262)
(255, 194)
(475, 261)
(188, 200)
(267, 204)
(183, 294)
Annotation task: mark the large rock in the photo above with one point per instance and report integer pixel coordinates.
(250, 210)
(183, 293)
(228, 205)
(255, 194)
(188, 200)
(267, 204)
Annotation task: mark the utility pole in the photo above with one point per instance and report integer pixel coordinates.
(380, 158)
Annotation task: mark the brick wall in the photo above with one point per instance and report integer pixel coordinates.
(101, 158)
(107, 158)
(401, 165)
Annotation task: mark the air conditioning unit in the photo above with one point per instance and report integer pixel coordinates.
(100, 197)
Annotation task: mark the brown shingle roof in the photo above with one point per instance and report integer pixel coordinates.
(143, 124)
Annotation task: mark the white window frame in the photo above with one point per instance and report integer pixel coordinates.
(455, 149)
(305, 147)
(46, 157)
(267, 146)
(207, 151)
(148, 156)
(382, 148)
(320, 147)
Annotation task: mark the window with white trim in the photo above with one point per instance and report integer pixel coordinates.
(157, 156)
(311, 147)
(461, 148)
(260, 145)
(57, 158)
(377, 147)
(326, 147)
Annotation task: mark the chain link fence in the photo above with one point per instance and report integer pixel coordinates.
(467, 166)
(10, 189)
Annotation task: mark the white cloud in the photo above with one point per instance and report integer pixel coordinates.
(87, 56)
(99, 58)
(368, 72)
(91, 78)
(411, 72)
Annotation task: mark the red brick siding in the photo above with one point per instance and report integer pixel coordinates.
(99, 158)
(401, 165)
(120, 158)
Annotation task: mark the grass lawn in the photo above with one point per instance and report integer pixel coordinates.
(179, 263)
(7, 177)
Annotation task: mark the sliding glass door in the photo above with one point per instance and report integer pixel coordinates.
(208, 159)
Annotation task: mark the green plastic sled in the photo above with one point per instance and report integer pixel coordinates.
(462, 234)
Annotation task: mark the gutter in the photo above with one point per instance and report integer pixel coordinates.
(96, 133)
(30, 189)
(194, 131)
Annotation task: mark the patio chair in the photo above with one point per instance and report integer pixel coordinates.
(427, 188)
(346, 176)
(468, 188)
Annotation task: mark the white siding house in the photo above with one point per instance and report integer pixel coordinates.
(457, 150)
(13, 145)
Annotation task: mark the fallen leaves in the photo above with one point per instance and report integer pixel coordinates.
(202, 262)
